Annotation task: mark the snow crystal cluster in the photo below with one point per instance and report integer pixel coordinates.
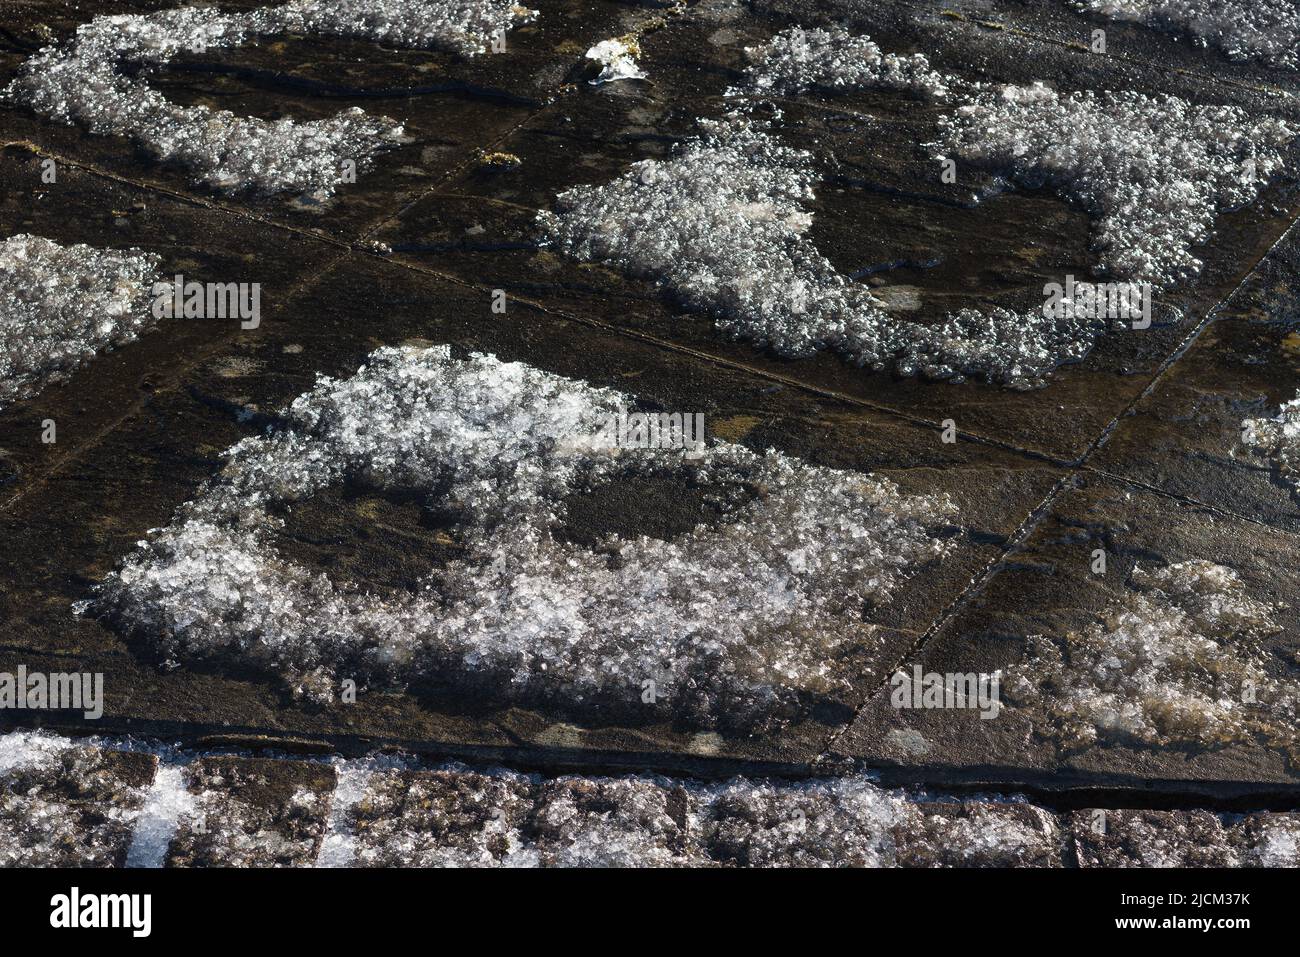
(223, 827)
(721, 226)
(1179, 661)
(84, 82)
(742, 625)
(1278, 440)
(617, 59)
(1152, 170)
(1266, 30)
(455, 816)
(63, 304)
(61, 804)
(1134, 838)
(66, 802)
(834, 59)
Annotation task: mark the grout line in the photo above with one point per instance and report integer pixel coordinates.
(1078, 469)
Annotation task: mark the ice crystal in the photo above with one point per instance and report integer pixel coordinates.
(721, 226)
(167, 801)
(1278, 440)
(73, 802)
(617, 59)
(456, 816)
(62, 803)
(741, 623)
(1152, 170)
(84, 81)
(1267, 30)
(1179, 661)
(1270, 840)
(60, 305)
(241, 816)
(834, 59)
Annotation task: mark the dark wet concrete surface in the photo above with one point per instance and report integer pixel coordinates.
(1135, 450)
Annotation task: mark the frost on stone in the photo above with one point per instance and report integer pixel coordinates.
(850, 822)
(458, 816)
(616, 822)
(1130, 838)
(746, 624)
(1278, 440)
(60, 305)
(451, 817)
(617, 59)
(86, 81)
(796, 60)
(722, 228)
(1155, 839)
(1179, 661)
(1153, 171)
(1269, 840)
(252, 813)
(1265, 30)
(65, 803)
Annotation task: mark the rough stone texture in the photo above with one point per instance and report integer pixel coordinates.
(64, 804)
(252, 813)
(1136, 449)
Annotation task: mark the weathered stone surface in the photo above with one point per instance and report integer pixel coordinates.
(1048, 588)
(1126, 838)
(64, 804)
(253, 812)
(1151, 420)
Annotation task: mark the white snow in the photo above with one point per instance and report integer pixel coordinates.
(724, 619)
(83, 82)
(1266, 30)
(60, 305)
(722, 226)
(1179, 660)
(1153, 171)
(1278, 440)
(796, 60)
(617, 59)
(167, 801)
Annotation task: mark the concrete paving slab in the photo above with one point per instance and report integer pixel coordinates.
(253, 812)
(453, 108)
(365, 537)
(1186, 438)
(1111, 694)
(201, 244)
(931, 249)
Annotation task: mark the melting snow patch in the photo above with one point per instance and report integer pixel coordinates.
(797, 59)
(1267, 30)
(741, 624)
(722, 227)
(1278, 439)
(59, 305)
(166, 802)
(64, 803)
(617, 59)
(84, 82)
(1152, 170)
(1177, 662)
(457, 816)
